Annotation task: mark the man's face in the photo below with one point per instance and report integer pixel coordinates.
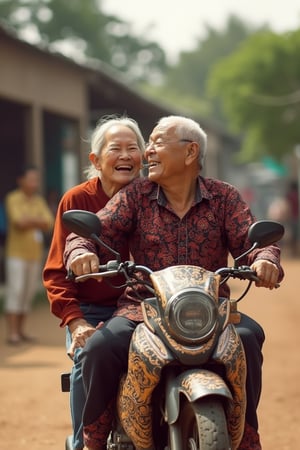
(166, 154)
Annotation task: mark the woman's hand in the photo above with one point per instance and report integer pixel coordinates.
(81, 330)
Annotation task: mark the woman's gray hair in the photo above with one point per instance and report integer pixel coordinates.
(98, 137)
(187, 128)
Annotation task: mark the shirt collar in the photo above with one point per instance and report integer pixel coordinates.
(201, 193)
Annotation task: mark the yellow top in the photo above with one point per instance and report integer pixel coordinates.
(26, 241)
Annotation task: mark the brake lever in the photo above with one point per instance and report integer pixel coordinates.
(97, 275)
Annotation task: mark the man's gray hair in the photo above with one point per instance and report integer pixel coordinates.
(187, 128)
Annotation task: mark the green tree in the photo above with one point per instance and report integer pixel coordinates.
(88, 33)
(260, 92)
(185, 81)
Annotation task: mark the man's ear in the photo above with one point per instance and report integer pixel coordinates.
(192, 152)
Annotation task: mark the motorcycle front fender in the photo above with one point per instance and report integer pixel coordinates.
(193, 384)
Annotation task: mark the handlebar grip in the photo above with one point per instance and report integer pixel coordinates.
(110, 266)
(255, 278)
(70, 275)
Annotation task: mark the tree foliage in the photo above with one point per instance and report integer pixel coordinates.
(83, 30)
(188, 77)
(244, 78)
(260, 92)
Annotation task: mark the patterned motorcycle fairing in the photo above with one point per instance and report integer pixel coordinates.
(230, 353)
(168, 281)
(184, 353)
(148, 355)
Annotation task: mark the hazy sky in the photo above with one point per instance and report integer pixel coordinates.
(177, 25)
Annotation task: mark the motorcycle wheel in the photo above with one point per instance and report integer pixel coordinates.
(203, 425)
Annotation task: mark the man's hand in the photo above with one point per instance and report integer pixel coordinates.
(267, 272)
(80, 330)
(86, 263)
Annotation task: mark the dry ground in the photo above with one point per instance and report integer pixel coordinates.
(34, 413)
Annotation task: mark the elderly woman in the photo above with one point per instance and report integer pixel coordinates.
(117, 147)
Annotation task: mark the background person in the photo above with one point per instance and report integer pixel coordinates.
(292, 197)
(28, 218)
(173, 217)
(117, 147)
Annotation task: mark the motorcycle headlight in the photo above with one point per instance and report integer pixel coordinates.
(191, 315)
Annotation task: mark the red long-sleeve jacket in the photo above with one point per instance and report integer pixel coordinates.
(65, 296)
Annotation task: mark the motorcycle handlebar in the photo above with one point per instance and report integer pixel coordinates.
(113, 268)
(242, 273)
(109, 269)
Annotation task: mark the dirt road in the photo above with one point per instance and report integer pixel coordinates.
(34, 413)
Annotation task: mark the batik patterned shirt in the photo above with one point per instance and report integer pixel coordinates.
(215, 226)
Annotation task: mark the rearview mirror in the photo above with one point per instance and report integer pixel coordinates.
(87, 225)
(265, 232)
(261, 234)
(84, 223)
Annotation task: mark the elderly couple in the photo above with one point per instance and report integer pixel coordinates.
(173, 216)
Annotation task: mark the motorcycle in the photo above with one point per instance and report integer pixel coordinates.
(185, 384)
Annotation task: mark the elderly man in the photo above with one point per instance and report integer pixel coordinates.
(174, 217)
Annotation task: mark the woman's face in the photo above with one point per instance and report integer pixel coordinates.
(120, 160)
